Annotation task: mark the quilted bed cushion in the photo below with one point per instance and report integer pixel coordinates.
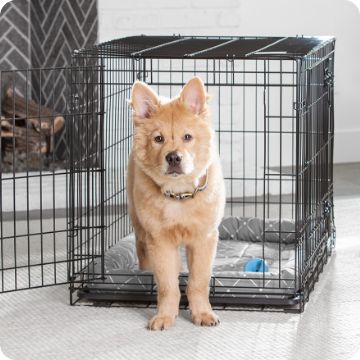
(240, 239)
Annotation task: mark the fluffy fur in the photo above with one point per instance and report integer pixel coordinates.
(162, 224)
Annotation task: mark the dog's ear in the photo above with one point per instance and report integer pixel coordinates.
(193, 95)
(144, 101)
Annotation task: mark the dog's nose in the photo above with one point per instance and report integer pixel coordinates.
(173, 158)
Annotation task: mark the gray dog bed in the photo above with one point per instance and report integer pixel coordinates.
(240, 240)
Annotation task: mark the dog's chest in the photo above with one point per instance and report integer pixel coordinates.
(173, 210)
(177, 211)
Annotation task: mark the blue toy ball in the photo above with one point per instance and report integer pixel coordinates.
(256, 265)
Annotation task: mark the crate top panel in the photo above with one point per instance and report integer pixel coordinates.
(187, 47)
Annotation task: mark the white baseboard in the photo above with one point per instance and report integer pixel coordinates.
(347, 146)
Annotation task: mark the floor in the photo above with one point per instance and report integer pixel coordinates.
(40, 324)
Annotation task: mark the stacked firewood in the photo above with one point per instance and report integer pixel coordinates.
(28, 131)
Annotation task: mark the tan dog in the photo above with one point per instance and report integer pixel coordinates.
(173, 156)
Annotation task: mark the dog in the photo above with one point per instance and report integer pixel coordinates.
(176, 196)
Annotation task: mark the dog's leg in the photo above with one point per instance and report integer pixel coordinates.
(200, 256)
(140, 233)
(165, 263)
(141, 248)
(140, 236)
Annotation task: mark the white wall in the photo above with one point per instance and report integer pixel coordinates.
(341, 18)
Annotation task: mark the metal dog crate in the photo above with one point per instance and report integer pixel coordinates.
(271, 101)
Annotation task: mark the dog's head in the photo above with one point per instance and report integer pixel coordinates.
(172, 140)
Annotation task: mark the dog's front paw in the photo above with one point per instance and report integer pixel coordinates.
(161, 322)
(206, 318)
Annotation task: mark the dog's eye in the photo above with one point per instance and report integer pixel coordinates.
(159, 139)
(187, 137)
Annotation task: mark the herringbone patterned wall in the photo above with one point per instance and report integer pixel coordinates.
(42, 34)
(15, 42)
(57, 28)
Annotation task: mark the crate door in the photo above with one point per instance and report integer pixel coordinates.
(86, 167)
(101, 138)
(33, 178)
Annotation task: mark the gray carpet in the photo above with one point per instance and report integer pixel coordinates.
(39, 324)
